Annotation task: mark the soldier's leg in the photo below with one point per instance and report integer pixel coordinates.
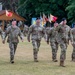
(11, 46)
(15, 47)
(63, 54)
(35, 50)
(73, 54)
(38, 44)
(53, 46)
(56, 49)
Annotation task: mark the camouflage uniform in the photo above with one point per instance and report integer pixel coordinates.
(25, 30)
(72, 35)
(52, 36)
(2, 33)
(13, 40)
(63, 39)
(37, 34)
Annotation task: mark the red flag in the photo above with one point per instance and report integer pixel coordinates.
(9, 14)
(52, 18)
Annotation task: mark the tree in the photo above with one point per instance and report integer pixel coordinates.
(33, 8)
(10, 4)
(71, 11)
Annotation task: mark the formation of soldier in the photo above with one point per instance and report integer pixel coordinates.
(59, 35)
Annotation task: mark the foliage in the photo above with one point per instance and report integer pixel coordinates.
(33, 8)
(71, 11)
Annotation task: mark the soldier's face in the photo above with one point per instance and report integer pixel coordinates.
(64, 22)
(38, 22)
(55, 24)
(14, 23)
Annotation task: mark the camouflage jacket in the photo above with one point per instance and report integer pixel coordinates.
(13, 34)
(52, 34)
(63, 32)
(36, 32)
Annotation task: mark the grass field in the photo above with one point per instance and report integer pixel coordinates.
(24, 64)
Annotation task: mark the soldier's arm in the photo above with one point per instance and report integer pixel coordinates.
(29, 33)
(71, 36)
(21, 35)
(58, 28)
(4, 34)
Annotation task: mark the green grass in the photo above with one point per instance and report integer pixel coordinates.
(24, 64)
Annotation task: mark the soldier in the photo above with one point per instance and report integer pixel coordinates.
(25, 30)
(13, 32)
(63, 39)
(72, 35)
(37, 32)
(52, 37)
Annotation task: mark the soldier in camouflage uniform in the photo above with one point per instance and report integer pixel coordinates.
(52, 37)
(25, 30)
(37, 32)
(63, 39)
(13, 32)
(72, 35)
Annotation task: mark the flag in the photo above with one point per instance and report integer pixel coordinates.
(52, 18)
(44, 19)
(9, 14)
(41, 19)
(33, 21)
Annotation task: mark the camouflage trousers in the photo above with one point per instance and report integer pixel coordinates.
(63, 47)
(36, 45)
(54, 46)
(13, 47)
(73, 53)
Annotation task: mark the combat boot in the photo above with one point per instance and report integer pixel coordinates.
(35, 60)
(12, 61)
(55, 60)
(62, 63)
(73, 60)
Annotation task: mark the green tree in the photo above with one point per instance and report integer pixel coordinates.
(71, 11)
(33, 8)
(10, 4)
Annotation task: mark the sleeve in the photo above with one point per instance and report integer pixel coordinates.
(29, 32)
(71, 35)
(58, 28)
(24, 31)
(6, 32)
(2, 33)
(21, 35)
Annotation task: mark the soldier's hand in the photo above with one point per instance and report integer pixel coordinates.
(22, 40)
(47, 42)
(28, 40)
(3, 41)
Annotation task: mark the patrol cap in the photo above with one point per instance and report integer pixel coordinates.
(63, 19)
(13, 19)
(37, 18)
